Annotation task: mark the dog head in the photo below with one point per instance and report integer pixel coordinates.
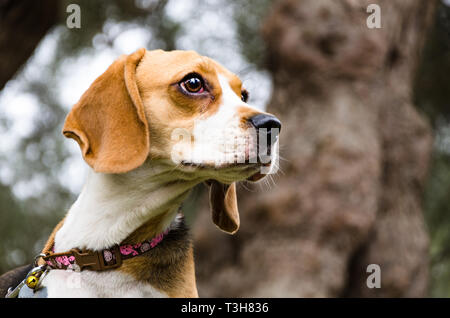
(182, 108)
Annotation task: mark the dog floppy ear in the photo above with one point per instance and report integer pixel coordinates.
(223, 203)
(109, 121)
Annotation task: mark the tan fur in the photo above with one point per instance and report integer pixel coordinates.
(172, 273)
(50, 241)
(224, 207)
(109, 122)
(165, 107)
(245, 114)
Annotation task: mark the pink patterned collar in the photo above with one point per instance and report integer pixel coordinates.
(106, 259)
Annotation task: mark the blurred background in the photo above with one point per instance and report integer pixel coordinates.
(365, 146)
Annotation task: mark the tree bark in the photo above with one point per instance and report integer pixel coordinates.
(23, 23)
(356, 155)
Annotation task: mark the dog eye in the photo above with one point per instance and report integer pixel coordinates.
(244, 96)
(193, 83)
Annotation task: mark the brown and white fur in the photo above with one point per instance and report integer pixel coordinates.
(124, 124)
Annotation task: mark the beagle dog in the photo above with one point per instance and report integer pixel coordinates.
(151, 127)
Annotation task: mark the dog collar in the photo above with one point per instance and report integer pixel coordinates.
(106, 259)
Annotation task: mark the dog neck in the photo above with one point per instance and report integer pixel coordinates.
(116, 207)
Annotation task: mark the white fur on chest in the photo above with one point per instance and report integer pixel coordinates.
(107, 211)
(62, 284)
(111, 207)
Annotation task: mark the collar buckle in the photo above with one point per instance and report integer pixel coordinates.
(98, 260)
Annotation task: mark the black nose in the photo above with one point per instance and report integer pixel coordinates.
(266, 121)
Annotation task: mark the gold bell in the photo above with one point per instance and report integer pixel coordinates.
(32, 281)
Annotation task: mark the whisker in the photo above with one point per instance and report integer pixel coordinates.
(244, 185)
(284, 159)
(278, 168)
(266, 184)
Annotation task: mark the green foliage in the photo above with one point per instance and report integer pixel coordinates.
(16, 223)
(432, 91)
(437, 207)
(98, 16)
(249, 16)
(432, 96)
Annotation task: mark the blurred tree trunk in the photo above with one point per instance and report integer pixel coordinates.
(356, 157)
(23, 23)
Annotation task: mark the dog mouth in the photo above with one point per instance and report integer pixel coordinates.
(242, 169)
(221, 166)
(256, 177)
(251, 164)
